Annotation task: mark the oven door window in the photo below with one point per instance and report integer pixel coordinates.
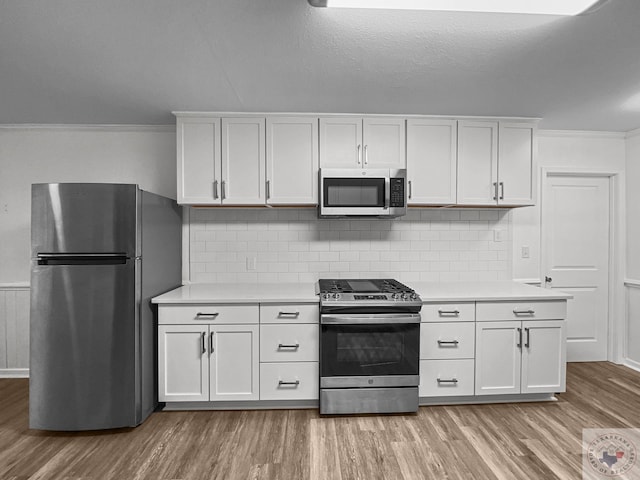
(354, 192)
(373, 350)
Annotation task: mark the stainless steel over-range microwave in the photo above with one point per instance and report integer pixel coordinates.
(349, 192)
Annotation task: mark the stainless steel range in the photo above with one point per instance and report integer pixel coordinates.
(369, 346)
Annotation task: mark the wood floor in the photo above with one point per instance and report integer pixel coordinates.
(506, 441)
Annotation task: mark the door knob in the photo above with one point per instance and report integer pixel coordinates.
(548, 279)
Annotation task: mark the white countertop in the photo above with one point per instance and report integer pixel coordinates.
(240, 293)
(305, 292)
(484, 291)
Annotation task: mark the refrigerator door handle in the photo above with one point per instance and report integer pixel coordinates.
(82, 258)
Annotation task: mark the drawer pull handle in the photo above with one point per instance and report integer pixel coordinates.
(523, 312)
(206, 315)
(449, 312)
(449, 380)
(447, 342)
(283, 383)
(286, 345)
(288, 314)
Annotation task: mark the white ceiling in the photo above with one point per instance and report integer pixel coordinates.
(133, 62)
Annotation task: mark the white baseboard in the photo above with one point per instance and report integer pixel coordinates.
(14, 373)
(631, 364)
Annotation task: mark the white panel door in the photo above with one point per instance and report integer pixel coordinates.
(575, 252)
(198, 145)
(384, 142)
(292, 160)
(498, 357)
(543, 356)
(183, 365)
(432, 158)
(243, 161)
(515, 164)
(234, 362)
(477, 162)
(341, 142)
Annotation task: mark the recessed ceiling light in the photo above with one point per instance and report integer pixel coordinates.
(545, 7)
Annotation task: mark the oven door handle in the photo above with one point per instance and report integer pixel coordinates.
(363, 319)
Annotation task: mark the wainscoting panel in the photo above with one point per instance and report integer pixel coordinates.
(14, 330)
(632, 337)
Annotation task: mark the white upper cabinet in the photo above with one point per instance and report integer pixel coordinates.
(477, 162)
(292, 160)
(496, 163)
(199, 168)
(243, 161)
(370, 142)
(515, 164)
(432, 152)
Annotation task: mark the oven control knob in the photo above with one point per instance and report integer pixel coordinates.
(336, 296)
(325, 296)
(405, 296)
(414, 296)
(395, 296)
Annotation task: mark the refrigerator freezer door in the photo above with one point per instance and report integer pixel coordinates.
(83, 346)
(83, 218)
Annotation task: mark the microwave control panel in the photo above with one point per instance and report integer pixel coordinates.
(396, 198)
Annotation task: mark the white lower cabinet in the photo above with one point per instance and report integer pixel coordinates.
(446, 378)
(289, 381)
(201, 360)
(520, 357)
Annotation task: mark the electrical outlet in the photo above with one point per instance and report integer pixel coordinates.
(251, 264)
(499, 235)
(525, 251)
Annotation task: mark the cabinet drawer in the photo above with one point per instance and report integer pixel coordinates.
(446, 378)
(207, 314)
(536, 310)
(445, 312)
(289, 313)
(289, 381)
(447, 340)
(289, 343)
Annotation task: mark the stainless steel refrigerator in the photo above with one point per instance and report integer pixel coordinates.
(99, 253)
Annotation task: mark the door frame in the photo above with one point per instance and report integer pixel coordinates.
(615, 321)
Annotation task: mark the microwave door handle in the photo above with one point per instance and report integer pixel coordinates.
(387, 193)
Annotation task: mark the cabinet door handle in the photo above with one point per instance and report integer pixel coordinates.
(288, 314)
(409, 185)
(442, 313)
(366, 155)
(359, 154)
(528, 331)
(287, 345)
(222, 187)
(204, 347)
(268, 190)
(204, 315)
(519, 345)
(211, 342)
(215, 189)
(501, 190)
(448, 380)
(447, 342)
(495, 190)
(285, 383)
(529, 311)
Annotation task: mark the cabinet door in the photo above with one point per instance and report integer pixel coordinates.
(243, 161)
(477, 162)
(498, 358)
(384, 142)
(341, 142)
(198, 149)
(292, 160)
(543, 356)
(183, 366)
(515, 164)
(234, 362)
(432, 152)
